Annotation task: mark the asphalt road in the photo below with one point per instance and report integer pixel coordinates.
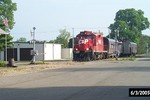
(97, 80)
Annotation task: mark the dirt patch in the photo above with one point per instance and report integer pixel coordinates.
(30, 68)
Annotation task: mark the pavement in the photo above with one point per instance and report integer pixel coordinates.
(95, 80)
(145, 58)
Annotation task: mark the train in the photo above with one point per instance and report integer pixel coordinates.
(93, 46)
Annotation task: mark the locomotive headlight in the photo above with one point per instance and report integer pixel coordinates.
(76, 49)
(87, 49)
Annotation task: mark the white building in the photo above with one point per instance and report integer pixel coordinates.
(22, 52)
(66, 53)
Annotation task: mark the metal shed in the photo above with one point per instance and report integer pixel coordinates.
(66, 53)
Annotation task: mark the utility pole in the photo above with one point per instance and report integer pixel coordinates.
(72, 38)
(72, 41)
(33, 33)
(6, 48)
(116, 44)
(109, 31)
(6, 26)
(147, 49)
(5, 22)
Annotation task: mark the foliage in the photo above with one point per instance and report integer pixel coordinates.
(2, 64)
(129, 23)
(142, 45)
(127, 59)
(2, 41)
(7, 8)
(62, 38)
(52, 41)
(22, 39)
(70, 42)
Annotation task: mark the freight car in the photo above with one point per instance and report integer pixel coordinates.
(93, 46)
(129, 48)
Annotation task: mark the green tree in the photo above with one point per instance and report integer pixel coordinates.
(129, 23)
(22, 39)
(71, 41)
(2, 41)
(7, 8)
(62, 38)
(52, 41)
(144, 40)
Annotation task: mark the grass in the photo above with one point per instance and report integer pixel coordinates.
(122, 59)
(132, 58)
(2, 64)
(38, 66)
(39, 62)
(127, 59)
(140, 55)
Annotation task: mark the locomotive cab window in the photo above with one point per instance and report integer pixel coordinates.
(86, 37)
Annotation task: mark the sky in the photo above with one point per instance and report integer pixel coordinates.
(49, 16)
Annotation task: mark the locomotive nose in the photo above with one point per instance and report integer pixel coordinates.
(83, 41)
(83, 44)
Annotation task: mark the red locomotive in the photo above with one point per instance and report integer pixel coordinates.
(88, 46)
(93, 46)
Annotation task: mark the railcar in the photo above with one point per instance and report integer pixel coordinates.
(111, 46)
(129, 48)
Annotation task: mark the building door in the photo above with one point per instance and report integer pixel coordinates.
(25, 54)
(11, 53)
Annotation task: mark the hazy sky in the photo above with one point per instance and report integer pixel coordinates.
(49, 16)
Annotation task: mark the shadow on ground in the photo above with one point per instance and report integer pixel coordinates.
(145, 58)
(70, 93)
(96, 69)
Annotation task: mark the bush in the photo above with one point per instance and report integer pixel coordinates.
(2, 64)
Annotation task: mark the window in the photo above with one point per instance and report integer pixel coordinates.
(86, 36)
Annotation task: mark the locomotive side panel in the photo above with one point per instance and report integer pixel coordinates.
(98, 43)
(106, 44)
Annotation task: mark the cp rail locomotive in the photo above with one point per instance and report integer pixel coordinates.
(93, 46)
